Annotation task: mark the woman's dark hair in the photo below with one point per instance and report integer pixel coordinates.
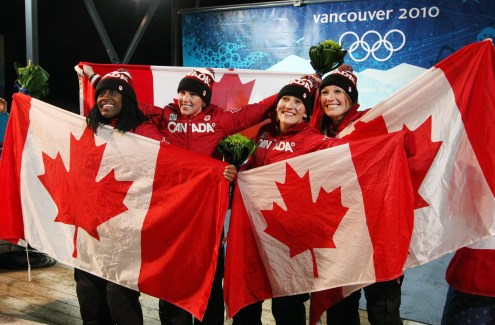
(327, 127)
(129, 119)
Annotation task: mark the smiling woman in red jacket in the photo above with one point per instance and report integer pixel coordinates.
(116, 105)
(289, 135)
(339, 103)
(102, 301)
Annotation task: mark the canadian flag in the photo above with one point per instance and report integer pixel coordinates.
(157, 85)
(340, 216)
(141, 213)
(448, 115)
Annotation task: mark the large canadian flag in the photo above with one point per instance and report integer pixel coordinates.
(157, 85)
(448, 114)
(135, 211)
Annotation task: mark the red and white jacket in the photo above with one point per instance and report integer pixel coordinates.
(472, 269)
(298, 140)
(202, 133)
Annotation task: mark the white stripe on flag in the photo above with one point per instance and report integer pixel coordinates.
(454, 186)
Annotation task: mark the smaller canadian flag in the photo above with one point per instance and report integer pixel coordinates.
(303, 214)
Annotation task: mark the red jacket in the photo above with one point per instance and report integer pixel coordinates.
(146, 129)
(202, 133)
(472, 269)
(298, 140)
(350, 117)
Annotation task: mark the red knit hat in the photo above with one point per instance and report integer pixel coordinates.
(302, 89)
(199, 81)
(344, 78)
(119, 80)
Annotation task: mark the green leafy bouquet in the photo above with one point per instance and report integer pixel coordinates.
(32, 80)
(326, 56)
(236, 149)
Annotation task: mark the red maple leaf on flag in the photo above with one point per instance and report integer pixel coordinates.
(420, 149)
(306, 224)
(100, 201)
(365, 130)
(231, 93)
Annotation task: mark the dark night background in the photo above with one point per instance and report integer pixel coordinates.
(67, 36)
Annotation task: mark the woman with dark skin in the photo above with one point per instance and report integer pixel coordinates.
(101, 301)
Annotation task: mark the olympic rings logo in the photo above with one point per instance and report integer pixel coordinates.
(361, 43)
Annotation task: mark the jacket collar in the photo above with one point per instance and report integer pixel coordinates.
(295, 129)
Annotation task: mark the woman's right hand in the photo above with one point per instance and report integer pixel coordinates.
(230, 173)
(315, 81)
(88, 71)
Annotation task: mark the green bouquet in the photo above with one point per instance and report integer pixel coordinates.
(32, 80)
(236, 149)
(326, 56)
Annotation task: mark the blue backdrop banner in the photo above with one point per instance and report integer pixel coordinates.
(378, 34)
(389, 41)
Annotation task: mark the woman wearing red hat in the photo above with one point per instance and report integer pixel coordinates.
(289, 129)
(339, 103)
(194, 123)
(116, 105)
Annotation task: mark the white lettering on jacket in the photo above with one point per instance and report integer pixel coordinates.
(264, 144)
(195, 128)
(284, 146)
(280, 146)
